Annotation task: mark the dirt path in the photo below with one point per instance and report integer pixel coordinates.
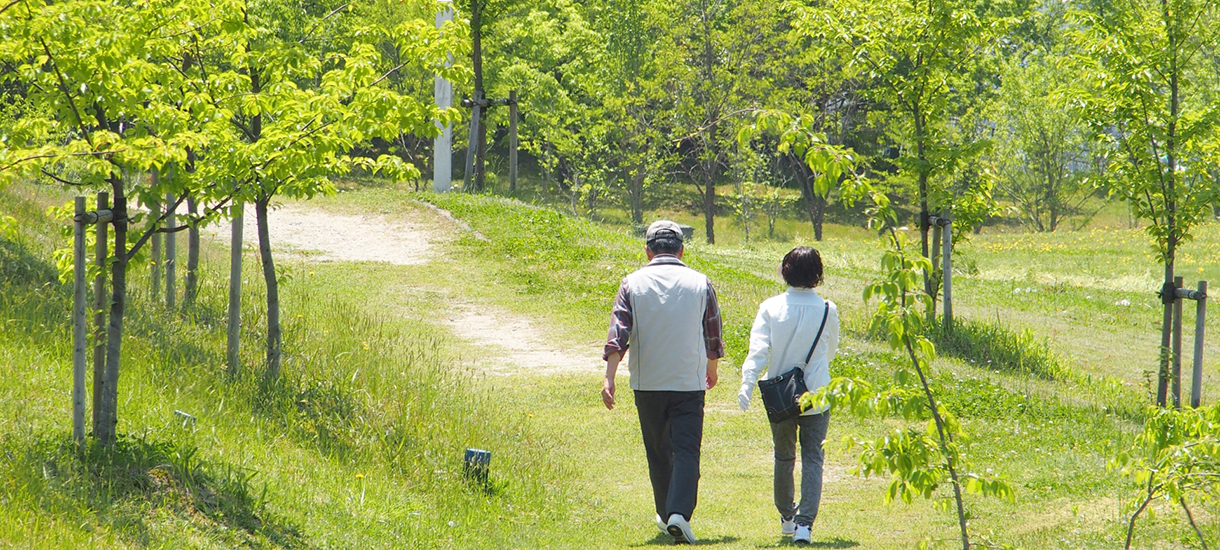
(509, 343)
(339, 237)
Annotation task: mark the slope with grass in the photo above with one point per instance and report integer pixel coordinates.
(361, 445)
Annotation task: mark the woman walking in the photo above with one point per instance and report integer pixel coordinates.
(783, 338)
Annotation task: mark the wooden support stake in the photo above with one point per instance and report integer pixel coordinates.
(79, 341)
(1163, 374)
(171, 253)
(100, 305)
(947, 256)
(233, 334)
(512, 141)
(1196, 374)
(1176, 373)
(472, 144)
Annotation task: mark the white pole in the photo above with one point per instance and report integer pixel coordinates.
(947, 273)
(442, 157)
(233, 334)
(1196, 375)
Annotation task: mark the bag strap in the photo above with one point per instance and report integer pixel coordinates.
(825, 314)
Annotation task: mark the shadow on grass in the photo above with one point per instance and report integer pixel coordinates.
(662, 539)
(136, 482)
(836, 542)
(34, 305)
(187, 346)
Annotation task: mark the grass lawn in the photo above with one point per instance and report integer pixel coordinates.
(360, 447)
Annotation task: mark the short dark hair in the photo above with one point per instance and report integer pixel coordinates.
(665, 244)
(802, 267)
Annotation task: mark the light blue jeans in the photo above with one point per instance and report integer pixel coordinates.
(811, 431)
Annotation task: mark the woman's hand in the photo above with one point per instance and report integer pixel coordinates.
(743, 396)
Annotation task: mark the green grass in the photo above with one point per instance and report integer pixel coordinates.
(360, 444)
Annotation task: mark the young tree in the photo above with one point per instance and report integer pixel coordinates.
(115, 88)
(302, 89)
(631, 97)
(815, 77)
(1142, 90)
(1044, 156)
(705, 92)
(919, 57)
(548, 52)
(918, 461)
(101, 100)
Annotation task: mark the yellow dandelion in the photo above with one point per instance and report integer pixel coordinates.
(359, 476)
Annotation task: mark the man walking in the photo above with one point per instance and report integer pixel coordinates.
(667, 314)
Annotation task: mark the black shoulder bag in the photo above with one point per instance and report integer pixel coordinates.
(780, 395)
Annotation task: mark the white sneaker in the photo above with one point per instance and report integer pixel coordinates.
(679, 529)
(661, 524)
(802, 535)
(787, 525)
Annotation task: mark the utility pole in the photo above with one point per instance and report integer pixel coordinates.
(478, 131)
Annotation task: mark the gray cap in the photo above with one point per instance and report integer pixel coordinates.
(660, 228)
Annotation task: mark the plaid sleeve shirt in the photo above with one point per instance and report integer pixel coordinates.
(622, 320)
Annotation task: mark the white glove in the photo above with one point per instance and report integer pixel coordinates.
(743, 396)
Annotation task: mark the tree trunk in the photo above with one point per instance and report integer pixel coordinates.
(156, 264)
(924, 213)
(1171, 222)
(819, 215)
(709, 203)
(192, 258)
(274, 337)
(712, 118)
(171, 252)
(637, 195)
(108, 420)
(99, 314)
(815, 205)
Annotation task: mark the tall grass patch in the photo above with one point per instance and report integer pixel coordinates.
(993, 346)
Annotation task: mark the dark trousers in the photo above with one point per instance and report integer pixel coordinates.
(672, 425)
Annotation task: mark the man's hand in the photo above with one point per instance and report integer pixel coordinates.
(608, 393)
(608, 384)
(712, 377)
(743, 396)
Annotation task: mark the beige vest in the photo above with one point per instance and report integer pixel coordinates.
(666, 350)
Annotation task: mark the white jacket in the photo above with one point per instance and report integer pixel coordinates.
(783, 330)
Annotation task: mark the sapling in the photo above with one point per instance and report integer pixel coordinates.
(918, 462)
